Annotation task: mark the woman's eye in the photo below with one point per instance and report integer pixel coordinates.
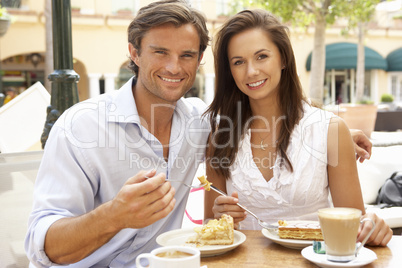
(238, 62)
(263, 56)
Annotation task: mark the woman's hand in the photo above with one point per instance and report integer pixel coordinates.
(382, 233)
(228, 205)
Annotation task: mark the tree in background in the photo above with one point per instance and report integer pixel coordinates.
(359, 18)
(320, 14)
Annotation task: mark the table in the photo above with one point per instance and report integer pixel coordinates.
(259, 251)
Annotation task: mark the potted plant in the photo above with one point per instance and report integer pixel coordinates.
(5, 20)
(387, 102)
(387, 98)
(360, 115)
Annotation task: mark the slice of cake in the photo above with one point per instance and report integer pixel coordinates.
(300, 230)
(215, 232)
(203, 181)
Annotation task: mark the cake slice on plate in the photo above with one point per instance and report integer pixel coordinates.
(215, 232)
(300, 230)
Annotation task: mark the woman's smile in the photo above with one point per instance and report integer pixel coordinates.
(256, 85)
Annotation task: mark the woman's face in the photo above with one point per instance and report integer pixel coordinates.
(255, 64)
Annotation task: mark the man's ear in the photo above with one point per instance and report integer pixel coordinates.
(200, 59)
(133, 54)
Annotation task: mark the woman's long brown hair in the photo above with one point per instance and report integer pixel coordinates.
(232, 106)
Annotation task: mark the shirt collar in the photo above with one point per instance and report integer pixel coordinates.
(123, 108)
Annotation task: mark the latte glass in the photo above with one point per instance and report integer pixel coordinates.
(339, 228)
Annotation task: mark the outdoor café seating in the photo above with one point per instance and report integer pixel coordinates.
(18, 172)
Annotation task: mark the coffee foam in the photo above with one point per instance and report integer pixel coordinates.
(340, 213)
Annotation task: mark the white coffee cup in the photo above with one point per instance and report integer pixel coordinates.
(171, 257)
(339, 228)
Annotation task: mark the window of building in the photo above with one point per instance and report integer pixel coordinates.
(195, 4)
(83, 7)
(340, 86)
(124, 6)
(22, 71)
(11, 3)
(396, 86)
(222, 7)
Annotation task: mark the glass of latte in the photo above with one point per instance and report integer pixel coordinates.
(339, 228)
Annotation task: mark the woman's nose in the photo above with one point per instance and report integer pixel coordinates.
(252, 70)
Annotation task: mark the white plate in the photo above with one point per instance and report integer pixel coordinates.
(180, 236)
(289, 243)
(364, 257)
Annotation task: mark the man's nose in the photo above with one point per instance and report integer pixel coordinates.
(173, 65)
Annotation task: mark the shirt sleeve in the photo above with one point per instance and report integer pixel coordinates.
(64, 188)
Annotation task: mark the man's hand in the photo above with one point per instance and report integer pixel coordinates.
(142, 201)
(139, 203)
(362, 145)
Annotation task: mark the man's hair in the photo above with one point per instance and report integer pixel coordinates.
(176, 12)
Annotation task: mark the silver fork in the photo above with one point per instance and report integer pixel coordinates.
(262, 223)
(188, 185)
(185, 184)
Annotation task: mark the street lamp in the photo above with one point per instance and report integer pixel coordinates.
(64, 79)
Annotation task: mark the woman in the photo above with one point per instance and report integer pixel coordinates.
(271, 150)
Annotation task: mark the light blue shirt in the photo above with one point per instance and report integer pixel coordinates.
(92, 150)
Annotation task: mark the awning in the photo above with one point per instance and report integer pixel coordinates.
(340, 56)
(394, 60)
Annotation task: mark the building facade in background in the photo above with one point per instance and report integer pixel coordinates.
(100, 50)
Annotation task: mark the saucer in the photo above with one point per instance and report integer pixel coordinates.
(364, 257)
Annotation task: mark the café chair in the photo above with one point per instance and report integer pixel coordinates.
(385, 160)
(17, 176)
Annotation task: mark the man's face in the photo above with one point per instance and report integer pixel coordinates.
(168, 61)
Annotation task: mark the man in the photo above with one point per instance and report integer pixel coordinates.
(94, 204)
(101, 196)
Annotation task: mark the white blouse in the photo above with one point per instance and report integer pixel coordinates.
(287, 196)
